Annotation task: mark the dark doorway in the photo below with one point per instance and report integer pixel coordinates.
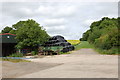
(8, 49)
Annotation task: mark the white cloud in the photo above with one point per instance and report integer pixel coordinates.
(18, 10)
(54, 22)
(26, 11)
(44, 10)
(65, 11)
(56, 11)
(55, 28)
(88, 22)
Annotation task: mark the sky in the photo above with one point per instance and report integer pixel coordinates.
(69, 19)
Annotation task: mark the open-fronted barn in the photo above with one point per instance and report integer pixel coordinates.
(8, 43)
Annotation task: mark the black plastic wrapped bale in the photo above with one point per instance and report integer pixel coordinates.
(59, 41)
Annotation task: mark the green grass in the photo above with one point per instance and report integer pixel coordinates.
(16, 55)
(14, 60)
(83, 44)
(109, 52)
(65, 53)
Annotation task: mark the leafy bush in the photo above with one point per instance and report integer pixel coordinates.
(29, 34)
(16, 55)
(110, 51)
(103, 42)
(34, 52)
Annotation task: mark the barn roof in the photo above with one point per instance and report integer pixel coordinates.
(8, 34)
(7, 38)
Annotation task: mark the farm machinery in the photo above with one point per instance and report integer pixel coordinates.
(55, 45)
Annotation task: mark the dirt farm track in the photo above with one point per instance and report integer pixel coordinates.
(84, 63)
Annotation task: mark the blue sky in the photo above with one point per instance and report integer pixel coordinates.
(69, 19)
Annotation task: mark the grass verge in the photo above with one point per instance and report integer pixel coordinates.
(83, 44)
(65, 53)
(14, 60)
(109, 52)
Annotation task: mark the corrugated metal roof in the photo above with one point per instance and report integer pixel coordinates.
(8, 34)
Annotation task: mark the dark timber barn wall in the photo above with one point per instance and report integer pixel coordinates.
(8, 43)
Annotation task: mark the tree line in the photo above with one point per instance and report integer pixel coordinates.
(104, 35)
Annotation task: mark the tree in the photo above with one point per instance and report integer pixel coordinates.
(7, 29)
(29, 34)
(104, 33)
(85, 36)
(13, 31)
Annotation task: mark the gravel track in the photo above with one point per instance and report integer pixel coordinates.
(84, 63)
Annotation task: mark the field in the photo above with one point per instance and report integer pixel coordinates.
(74, 42)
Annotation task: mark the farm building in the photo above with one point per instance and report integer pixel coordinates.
(8, 43)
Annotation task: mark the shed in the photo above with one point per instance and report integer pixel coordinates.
(8, 43)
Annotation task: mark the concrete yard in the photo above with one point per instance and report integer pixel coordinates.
(84, 63)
